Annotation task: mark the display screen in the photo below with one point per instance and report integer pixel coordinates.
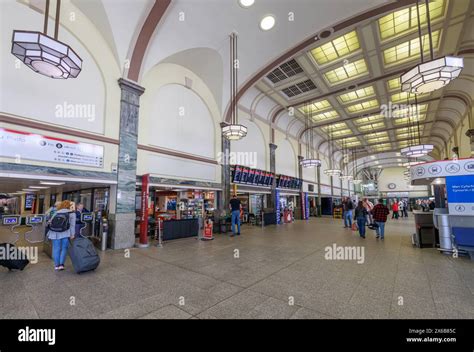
(10, 220)
(29, 199)
(270, 179)
(258, 174)
(36, 219)
(245, 174)
(251, 176)
(86, 217)
(237, 174)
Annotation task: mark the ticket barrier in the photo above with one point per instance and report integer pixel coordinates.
(100, 231)
(14, 225)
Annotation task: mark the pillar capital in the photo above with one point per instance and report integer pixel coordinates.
(131, 86)
(273, 146)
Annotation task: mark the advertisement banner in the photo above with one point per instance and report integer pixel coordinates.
(144, 209)
(460, 192)
(30, 146)
(277, 207)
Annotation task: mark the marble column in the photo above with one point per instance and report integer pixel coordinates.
(318, 174)
(300, 170)
(273, 148)
(122, 222)
(224, 197)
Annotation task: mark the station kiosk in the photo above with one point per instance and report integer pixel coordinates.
(453, 187)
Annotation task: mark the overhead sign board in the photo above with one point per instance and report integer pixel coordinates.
(460, 191)
(425, 173)
(30, 146)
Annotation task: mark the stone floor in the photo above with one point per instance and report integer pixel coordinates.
(280, 272)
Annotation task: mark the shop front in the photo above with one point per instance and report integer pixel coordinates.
(174, 212)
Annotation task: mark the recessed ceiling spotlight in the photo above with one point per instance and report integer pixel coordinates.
(38, 187)
(267, 23)
(246, 3)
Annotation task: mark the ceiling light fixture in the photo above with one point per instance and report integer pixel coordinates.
(246, 3)
(52, 183)
(310, 161)
(429, 76)
(234, 131)
(267, 23)
(38, 187)
(44, 54)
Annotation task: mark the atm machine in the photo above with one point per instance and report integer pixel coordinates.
(453, 187)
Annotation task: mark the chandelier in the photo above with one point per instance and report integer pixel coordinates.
(332, 171)
(310, 161)
(355, 181)
(416, 149)
(431, 75)
(234, 131)
(44, 54)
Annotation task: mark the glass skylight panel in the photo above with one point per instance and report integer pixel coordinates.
(369, 119)
(363, 106)
(347, 72)
(394, 84)
(336, 49)
(409, 50)
(406, 20)
(371, 126)
(357, 94)
(334, 127)
(328, 115)
(315, 107)
(406, 120)
(403, 97)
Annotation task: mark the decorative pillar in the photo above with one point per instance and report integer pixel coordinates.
(300, 171)
(224, 198)
(122, 221)
(273, 148)
(318, 174)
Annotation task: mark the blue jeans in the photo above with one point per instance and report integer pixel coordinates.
(60, 251)
(235, 220)
(348, 218)
(361, 225)
(380, 229)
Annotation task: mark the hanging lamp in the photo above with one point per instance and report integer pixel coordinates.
(417, 149)
(431, 75)
(331, 171)
(234, 131)
(356, 180)
(44, 54)
(310, 161)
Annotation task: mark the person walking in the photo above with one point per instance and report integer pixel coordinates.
(235, 207)
(379, 214)
(395, 209)
(360, 215)
(61, 229)
(400, 208)
(348, 207)
(405, 208)
(368, 205)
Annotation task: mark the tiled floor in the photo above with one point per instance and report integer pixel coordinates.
(278, 272)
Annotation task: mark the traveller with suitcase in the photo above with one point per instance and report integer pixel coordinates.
(61, 229)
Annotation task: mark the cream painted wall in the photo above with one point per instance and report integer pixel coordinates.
(395, 175)
(253, 148)
(286, 160)
(95, 88)
(160, 124)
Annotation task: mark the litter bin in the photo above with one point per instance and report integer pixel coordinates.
(441, 222)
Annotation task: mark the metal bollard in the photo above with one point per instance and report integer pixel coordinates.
(160, 234)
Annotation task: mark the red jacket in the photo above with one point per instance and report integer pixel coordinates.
(395, 206)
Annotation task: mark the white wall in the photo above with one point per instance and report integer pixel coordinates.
(253, 148)
(395, 175)
(286, 160)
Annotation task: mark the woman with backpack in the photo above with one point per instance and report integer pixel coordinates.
(61, 228)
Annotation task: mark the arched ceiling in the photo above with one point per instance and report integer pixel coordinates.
(302, 80)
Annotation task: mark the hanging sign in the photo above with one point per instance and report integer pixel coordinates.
(441, 168)
(144, 209)
(30, 146)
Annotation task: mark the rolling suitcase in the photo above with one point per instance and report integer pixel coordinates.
(12, 258)
(83, 255)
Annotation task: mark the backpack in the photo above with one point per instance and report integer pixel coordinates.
(350, 206)
(60, 222)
